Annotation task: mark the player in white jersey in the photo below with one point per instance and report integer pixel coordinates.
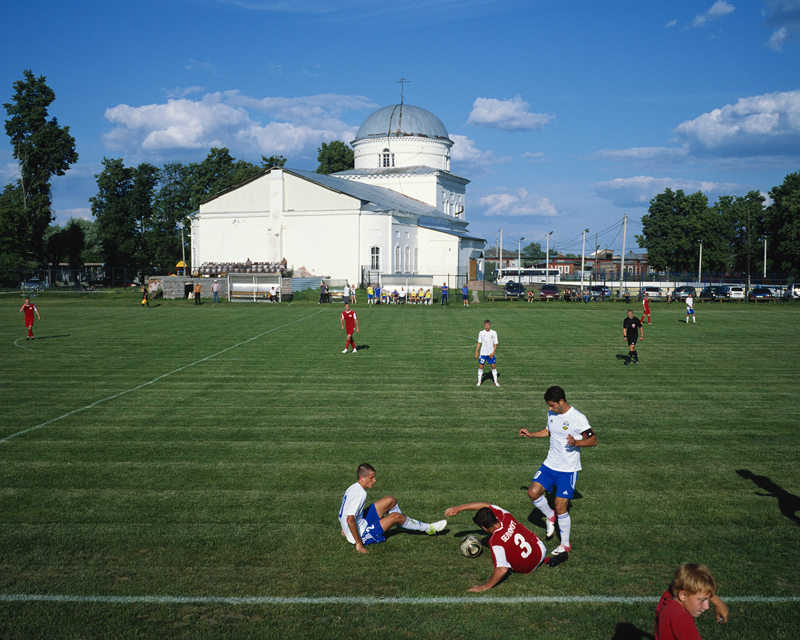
(487, 345)
(689, 308)
(569, 431)
(366, 526)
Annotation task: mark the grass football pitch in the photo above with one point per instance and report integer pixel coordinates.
(176, 472)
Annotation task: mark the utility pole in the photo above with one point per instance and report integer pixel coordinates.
(500, 255)
(700, 264)
(519, 258)
(622, 259)
(547, 259)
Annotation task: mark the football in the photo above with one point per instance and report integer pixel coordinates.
(471, 547)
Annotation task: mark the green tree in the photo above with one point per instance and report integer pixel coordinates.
(173, 202)
(12, 228)
(534, 251)
(335, 156)
(144, 180)
(65, 245)
(737, 215)
(672, 229)
(272, 161)
(42, 149)
(782, 226)
(116, 225)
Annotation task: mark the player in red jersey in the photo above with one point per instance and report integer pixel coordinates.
(349, 322)
(646, 305)
(29, 310)
(513, 546)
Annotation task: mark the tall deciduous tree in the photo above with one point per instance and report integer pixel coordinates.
(116, 225)
(672, 229)
(335, 156)
(782, 222)
(42, 149)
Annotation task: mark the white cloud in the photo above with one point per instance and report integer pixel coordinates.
(777, 39)
(464, 151)
(639, 190)
(509, 115)
(534, 157)
(718, 10)
(228, 119)
(784, 17)
(520, 203)
(671, 23)
(765, 125)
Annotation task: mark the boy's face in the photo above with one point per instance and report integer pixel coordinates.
(694, 604)
(368, 481)
(630, 314)
(557, 407)
(487, 326)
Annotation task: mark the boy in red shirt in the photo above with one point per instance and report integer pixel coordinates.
(29, 310)
(690, 593)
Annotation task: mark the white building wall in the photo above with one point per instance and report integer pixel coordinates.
(439, 253)
(407, 151)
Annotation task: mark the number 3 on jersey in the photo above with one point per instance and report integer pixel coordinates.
(523, 545)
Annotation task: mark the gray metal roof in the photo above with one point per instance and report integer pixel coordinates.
(402, 120)
(418, 170)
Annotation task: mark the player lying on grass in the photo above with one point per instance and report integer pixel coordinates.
(366, 526)
(513, 546)
(693, 588)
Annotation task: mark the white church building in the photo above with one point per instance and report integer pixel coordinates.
(399, 211)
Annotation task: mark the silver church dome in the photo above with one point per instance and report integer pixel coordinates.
(402, 120)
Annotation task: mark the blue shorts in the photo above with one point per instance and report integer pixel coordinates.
(563, 481)
(484, 359)
(689, 311)
(374, 532)
(369, 296)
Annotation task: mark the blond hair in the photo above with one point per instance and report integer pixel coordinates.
(692, 578)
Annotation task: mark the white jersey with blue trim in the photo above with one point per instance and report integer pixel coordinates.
(561, 456)
(488, 340)
(353, 505)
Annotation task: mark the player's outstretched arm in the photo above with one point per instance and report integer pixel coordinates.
(720, 609)
(497, 576)
(351, 523)
(542, 433)
(469, 506)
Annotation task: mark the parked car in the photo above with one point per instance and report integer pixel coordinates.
(775, 292)
(548, 291)
(733, 292)
(760, 293)
(681, 293)
(599, 291)
(654, 293)
(792, 292)
(514, 290)
(31, 284)
(713, 292)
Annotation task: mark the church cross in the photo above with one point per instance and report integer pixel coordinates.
(401, 82)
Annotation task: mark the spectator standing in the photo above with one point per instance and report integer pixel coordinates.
(215, 291)
(197, 288)
(445, 294)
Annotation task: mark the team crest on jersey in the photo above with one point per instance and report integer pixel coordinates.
(565, 425)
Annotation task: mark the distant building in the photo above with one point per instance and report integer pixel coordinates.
(400, 210)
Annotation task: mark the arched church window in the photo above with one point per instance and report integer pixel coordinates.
(416, 259)
(387, 159)
(397, 258)
(375, 258)
(407, 261)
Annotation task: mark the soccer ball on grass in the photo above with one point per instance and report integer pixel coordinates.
(471, 547)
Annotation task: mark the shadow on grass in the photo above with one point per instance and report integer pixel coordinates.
(627, 631)
(362, 347)
(63, 335)
(788, 503)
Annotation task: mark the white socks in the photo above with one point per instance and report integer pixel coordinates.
(541, 504)
(564, 525)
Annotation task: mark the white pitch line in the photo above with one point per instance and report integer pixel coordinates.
(367, 601)
(154, 380)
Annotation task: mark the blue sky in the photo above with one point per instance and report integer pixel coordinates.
(566, 114)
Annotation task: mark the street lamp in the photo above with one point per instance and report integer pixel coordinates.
(583, 256)
(700, 264)
(519, 258)
(547, 259)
